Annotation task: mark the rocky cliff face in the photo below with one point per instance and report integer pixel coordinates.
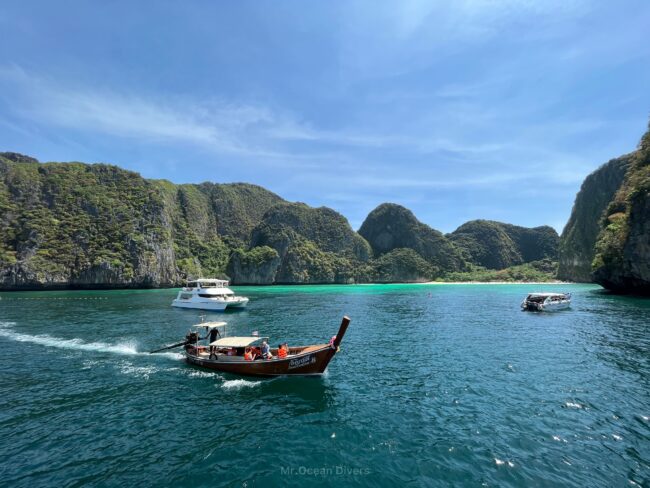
(392, 226)
(402, 266)
(258, 266)
(622, 260)
(313, 245)
(495, 245)
(578, 240)
(91, 226)
(78, 225)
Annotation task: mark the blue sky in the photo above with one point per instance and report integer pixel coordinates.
(457, 110)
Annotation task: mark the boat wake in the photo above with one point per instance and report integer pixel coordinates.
(128, 349)
(238, 384)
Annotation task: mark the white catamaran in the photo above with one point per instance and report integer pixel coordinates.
(208, 294)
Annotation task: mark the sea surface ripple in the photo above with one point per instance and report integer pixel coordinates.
(435, 385)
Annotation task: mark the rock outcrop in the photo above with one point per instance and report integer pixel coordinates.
(391, 226)
(622, 260)
(402, 266)
(578, 240)
(258, 266)
(313, 245)
(67, 225)
(495, 245)
(75, 225)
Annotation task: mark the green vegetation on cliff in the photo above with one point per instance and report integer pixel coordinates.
(74, 224)
(544, 270)
(495, 245)
(314, 245)
(68, 219)
(81, 225)
(622, 259)
(578, 240)
(402, 265)
(391, 226)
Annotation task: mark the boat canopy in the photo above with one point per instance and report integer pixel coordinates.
(546, 295)
(210, 325)
(237, 341)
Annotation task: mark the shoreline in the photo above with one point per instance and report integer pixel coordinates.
(502, 283)
(419, 283)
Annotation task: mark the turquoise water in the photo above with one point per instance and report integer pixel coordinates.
(435, 385)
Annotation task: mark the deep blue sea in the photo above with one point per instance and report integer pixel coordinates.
(435, 385)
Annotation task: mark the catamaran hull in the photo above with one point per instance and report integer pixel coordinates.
(215, 306)
(310, 363)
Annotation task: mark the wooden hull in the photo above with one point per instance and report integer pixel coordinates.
(302, 361)
(312, 362)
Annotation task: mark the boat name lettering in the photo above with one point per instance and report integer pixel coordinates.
(298, 363)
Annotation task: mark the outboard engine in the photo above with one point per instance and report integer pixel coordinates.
(192, 337)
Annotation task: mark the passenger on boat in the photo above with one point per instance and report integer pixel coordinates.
(248, 355)
(266, 351)
(232, 351)
(283, 350)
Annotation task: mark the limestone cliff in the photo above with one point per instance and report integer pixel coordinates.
(495, 245)
(313, 245)
(622, 260)
(391, 226)
(90, 226)
(76, 225)
(578, 240)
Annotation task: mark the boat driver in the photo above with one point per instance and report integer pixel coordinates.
(213, 336)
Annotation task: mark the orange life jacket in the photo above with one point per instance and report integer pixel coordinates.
(248, 356)
(282, 352)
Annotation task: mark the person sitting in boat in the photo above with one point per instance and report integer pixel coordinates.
(248, 355)
(232, 351)
(266, 351)
(283, 350)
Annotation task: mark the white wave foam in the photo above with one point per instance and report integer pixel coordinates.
(574, 405)
(500, 462)
(128, 348)
(238, 384)
(7, 325)
(201, 374)
(171, 355)
(139, 371)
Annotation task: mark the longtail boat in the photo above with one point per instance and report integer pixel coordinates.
(231, 354)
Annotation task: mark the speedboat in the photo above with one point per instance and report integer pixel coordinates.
(546, 302)
(208, 294)
(233, 354)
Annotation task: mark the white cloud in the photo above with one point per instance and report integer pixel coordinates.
(213, 124)
(443, 144)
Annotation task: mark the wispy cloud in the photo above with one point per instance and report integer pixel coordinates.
(241, 129)
(213, 124)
